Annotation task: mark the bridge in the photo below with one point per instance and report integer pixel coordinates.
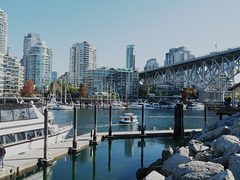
(212, 72)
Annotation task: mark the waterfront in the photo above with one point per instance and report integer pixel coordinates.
(118, 159)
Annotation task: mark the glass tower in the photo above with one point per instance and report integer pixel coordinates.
(130, 59)
(3, 32)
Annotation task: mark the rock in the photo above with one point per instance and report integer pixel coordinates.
(172, 177)
(197, 170)
(167, 153)
(235, 170)
(205, 156)
(197, 146)
(154, 176)
(156, 166)
(169, 166)
(222, 160)
(141, 173)
(236, 127)
(226, 145)
(212, 135)
(225, 175)
(184, 151)
(233, 158)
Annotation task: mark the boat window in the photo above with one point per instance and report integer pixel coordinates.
(10, 138)
(17, 114)
(21, 136)
(39, 132)
(32, 113)
(30, 134)
(6, 115)
(1, 139)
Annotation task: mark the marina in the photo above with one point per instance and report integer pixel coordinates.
(155, 121)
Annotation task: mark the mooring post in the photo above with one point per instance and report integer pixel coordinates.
(143, 126)
(205, 114)
(45, 154)
(75, 128)
(110, 121)
(95, 125)
(179, 122)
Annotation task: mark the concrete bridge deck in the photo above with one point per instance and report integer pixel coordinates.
(24, 162)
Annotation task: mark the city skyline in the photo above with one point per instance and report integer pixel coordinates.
(153, 27)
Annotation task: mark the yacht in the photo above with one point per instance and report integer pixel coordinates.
(195, 105)
(128, 118)
(62, 106)
(22, 128)
(147, 106)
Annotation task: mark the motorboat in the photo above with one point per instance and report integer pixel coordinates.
(62, 106)
(115, 106)
(147, 106)
(128, 118)
(22, 128)
(196, 105)
(155, 105)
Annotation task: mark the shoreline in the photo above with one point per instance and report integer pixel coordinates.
(213, 153)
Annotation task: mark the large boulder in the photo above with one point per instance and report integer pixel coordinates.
(233, 158)
(169, 166)
(197, 170)
(235, 170)
(226, 145)
(236, 127)
(224, 175)
(154, 175)
(197, 146)
(167, 153)
(207, 155)
(212, 135)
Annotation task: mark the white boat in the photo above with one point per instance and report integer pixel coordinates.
(139, 106)
(22, 128)
(155, 105)
(128, 118)
(115, 106)
(62, 107)
(198, 106)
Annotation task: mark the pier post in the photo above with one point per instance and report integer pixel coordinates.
(205, 114)
(179, 122)
(109, 154)
(94, 140)
(75, 128)
(143, 126)
(45, 154)
(110, 121)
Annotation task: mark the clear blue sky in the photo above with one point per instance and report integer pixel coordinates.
(154, 26)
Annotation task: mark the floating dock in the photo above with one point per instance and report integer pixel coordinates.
(23, 162)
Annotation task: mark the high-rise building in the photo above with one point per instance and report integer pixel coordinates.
(177, 55)
(29, 40)
(54, 76)
(40, 65)
(12, 74)
(82, 57)
(151, 64)
(130, 57)
(3, 32)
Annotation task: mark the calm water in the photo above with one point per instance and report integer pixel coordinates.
(117, 159)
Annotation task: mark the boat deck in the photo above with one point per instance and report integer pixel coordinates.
(24, 162)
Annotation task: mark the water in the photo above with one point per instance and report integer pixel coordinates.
(160, 119)
(117, 159)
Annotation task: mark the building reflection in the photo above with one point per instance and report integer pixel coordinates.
(129, 147)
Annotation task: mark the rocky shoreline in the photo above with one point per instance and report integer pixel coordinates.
(212, 154)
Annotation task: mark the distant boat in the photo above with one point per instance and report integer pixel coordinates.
(128, 118)
(199, 106)
(61, 106)
(139, 106)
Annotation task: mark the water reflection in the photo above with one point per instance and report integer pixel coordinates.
(129, 147)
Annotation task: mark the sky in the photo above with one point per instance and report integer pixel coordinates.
(153, 26)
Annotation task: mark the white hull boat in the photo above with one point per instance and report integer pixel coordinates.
(22, 128)
(128, 118)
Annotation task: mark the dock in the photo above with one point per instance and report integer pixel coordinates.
(21, 163)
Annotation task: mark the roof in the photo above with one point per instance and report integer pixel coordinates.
(234, 86)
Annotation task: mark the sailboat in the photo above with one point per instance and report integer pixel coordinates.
(63, 106)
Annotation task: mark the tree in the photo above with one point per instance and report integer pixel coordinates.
(143, 91)
(83, 90)
(28, 89)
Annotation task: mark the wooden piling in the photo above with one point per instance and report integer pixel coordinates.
(179, 122)
(205, 114)
(95, 125)
(75, 128)
(110, 121)
(45, 153)
(143, 126)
